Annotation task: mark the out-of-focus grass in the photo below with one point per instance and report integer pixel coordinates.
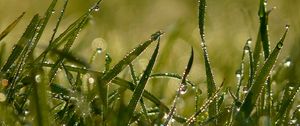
(229, 22)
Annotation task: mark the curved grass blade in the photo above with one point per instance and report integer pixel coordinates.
(111, 74)
(62, 12)
(182, 88)
(126, 84)
(138, 91)
(135, 81)
(171, 76)
(260, 79)
(287, 101)
(27, 36)
(209, 101)
(43, 24)
(2, 54)
(211, 85)
(10, 27)
(67, 48)
(66, 34)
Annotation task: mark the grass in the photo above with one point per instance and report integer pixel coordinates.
(55, 87)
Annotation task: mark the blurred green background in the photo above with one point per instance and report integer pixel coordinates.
(125, 23)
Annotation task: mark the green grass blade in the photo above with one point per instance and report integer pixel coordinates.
(47, 16)
(27, 36)
(10, 27)
(2, 54)
(62, 12)
(67, 47)
(40, 99)
(138, 91)
(211, 85)
(171, 76)
(65, 35)
(135, 81)
(191, 120)
(286, 102)
(111, 74)
(182, 88)
(257, 51)
(261, 78)
(264, 33)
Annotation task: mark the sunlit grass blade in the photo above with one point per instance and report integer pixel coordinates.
(40, 98)
(260, 79)
(112, 73)
(67, 47)
(191, 120)
(135, 81)
(44, 23)
(138, 91)
(264, 33)
(11, 27)
(27, 36)
(62, 12)
(69, 57)
(287, 101)
(2, 54)
(65, 34)
(211, 85)
(171, 76)
(182, 88)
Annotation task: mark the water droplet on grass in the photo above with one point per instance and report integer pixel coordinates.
(4, 82)
(91, 80)
(287, 63)
(183, 89)
(279, 45)
(97, 8)
(99, 45)
(2, 97)
(38, 78)
(53, 11)
(287, 26)
(99, 50)
(238, 74)
(26, 112)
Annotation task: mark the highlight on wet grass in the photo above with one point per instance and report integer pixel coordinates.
(55, 87)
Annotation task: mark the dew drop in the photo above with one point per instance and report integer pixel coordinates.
(246, 49)
(38, 28)
(26, 112)
(99, 50)
(2, 97)
(97, 8)
(53, 11)
(291, 88)
(183, 89)
(249, 41)
(265, 3)
(99, 44)
(38, 78)
(238, 74)
(4, 82)
(294, 121)
(202, 44)
(287, 26)
(279, 45)
(287, 63)
(91, 80)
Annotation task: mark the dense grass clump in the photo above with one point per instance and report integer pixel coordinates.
(55, 87)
